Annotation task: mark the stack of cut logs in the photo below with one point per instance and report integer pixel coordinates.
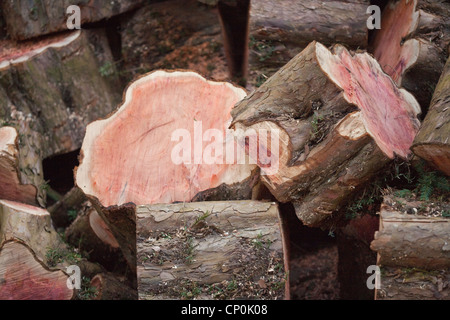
(172, 187)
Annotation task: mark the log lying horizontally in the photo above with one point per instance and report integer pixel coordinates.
(26, 235)
(408, 240)
(326, 147)
(300, 22)
(136, 155)
(412, 43)
(432, 143)
(413, 252)
(26, 19)
(11, 186)
(206, 243)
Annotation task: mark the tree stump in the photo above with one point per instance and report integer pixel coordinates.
(337, 117)
(432, 142)
(208, 243)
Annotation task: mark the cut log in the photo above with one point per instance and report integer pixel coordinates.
(58, 84)
(26, 19)
(413, 284)
(326, 147)
(432, 143)
(279, 30)
(11, 186)
(412, 240)
(411, 44)
(25, 278)
(110, 287)
(72, 200)
(26, 236)
(300, 22)
(127, 160)
(90, 234)
(207, 243)
(30, 225)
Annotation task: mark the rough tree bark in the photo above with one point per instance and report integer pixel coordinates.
(413, 284)
(413, 252)
(208, 242)
(412, 44)
(338, 119)
(58, 83)
(25, 278)
(91, 235)
(72, 200)
(300, 22)
(28, 19)
(127, 160)
(26, 235)
(409, 240)
(432, 143)
(11, 186)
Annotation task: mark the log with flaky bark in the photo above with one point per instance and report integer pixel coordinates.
(412, 240)
(206, 243)
(28, 19)
(413, 284)
(23, 277)
(412, 43)
(55, 86)
(111, 287)
(11, 186)
(153, 150)
(337, 118)
(91, 235)
(432, 143)
(26, 236)
(300, 22)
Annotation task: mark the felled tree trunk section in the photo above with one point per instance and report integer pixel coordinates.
(91, 235)
(25, 278)
(110, 287)
(300, 22)
(432, 142)
(406, 240)
(25, 19)
(26, 235)
(206, 243)
(413, 253)
(412, 43)
(126, 160)
(59, 212)
(54, 87)
(322, 126)
(11, 186)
